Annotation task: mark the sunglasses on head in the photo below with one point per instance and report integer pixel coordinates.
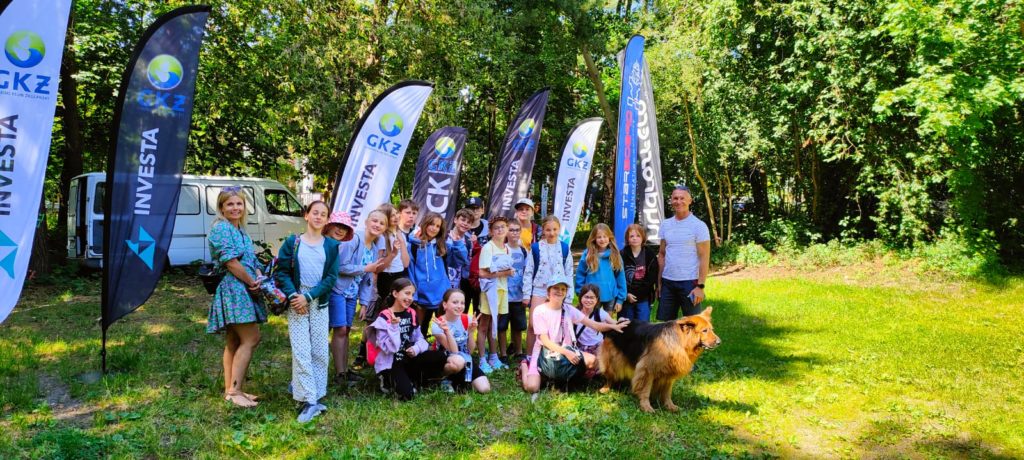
(232, 188)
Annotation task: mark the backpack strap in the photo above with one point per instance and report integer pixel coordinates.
(535, 250)
(388, 314)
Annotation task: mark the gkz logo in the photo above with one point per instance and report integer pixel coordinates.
(525, 132)
(445, 149)
(144, 247)
(526, 127)
(577, 160)
(164, 72)
(390, 126)
(8, 252)
(24, 49)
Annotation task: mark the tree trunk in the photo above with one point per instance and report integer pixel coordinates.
(696, 172)
(721, 210)
(39, 264)
(595, 78)
(71, 123)
(728, 185)
(816, 182)
(759, 190)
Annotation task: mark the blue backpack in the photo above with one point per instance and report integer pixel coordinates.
(535, 250)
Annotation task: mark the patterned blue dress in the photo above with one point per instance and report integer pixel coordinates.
(232, 303)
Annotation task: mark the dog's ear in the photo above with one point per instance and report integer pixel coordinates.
(706, 313)
(687, 324)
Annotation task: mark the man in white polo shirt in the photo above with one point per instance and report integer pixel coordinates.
(684, 257)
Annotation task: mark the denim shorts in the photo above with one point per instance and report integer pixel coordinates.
(341, 311)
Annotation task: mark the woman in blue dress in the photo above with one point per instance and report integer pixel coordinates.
(233, 310)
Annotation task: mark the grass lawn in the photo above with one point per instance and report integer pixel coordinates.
(811, 365)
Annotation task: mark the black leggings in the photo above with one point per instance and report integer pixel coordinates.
(404, 376)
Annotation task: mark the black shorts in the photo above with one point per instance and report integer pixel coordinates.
(516, 317)
(458, 379)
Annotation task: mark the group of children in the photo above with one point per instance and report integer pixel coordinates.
(416, 285)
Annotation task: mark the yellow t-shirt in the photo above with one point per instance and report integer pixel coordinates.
(526, 236)
(487, 254)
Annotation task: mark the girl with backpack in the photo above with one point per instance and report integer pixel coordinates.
(642, 270)
(590, 339)
(428, 266)
(453, 332)
(548, 257)
(601, 264)
(398, 351)
(359, 259)
(495, 268)
(373, 241)
(556, 356)
(307, 270)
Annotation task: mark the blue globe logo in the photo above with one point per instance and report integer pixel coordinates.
(164, 72)
(390, 124)
(526, 127)
(579, 150)
(25, 49)
(445, 147)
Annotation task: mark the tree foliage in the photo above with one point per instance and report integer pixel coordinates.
(811, 120)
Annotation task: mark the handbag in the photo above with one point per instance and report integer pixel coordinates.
(271, 289)
(210, 276)
(555, 365)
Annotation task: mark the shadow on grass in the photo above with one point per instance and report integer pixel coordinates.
(892, 438)
(751, 349)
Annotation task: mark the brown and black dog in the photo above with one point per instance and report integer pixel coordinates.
(654, 356)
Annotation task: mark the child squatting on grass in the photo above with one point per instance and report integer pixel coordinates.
(403, 360)
(555, 356)
(452, 332)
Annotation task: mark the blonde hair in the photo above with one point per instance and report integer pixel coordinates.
(383, 217)
(390, 223)
(223, 197)
(592, 249)
(551, 218)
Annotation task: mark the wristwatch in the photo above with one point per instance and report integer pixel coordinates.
(700, 285)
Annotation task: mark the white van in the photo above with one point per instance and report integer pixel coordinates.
(274, 213)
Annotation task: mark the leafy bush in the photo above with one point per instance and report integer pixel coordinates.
(953, 255)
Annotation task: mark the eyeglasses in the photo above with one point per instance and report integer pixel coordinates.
(232, 188)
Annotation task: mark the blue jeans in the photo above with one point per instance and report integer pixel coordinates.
(640, 311)
(675, 295)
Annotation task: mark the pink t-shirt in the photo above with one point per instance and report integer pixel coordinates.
(545, 321)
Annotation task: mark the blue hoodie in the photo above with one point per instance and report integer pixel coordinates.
(428, 271)
(612, 283)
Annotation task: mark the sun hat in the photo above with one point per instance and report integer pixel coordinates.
(345, 220)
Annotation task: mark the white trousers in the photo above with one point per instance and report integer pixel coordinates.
(310, 353)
